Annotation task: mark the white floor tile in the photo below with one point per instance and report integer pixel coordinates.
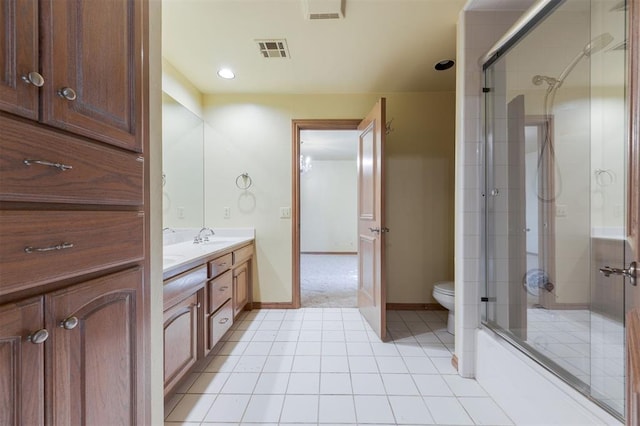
(335, 384)
(250, 363)
(435, 349)
(171, 403)
(384, 349)
(359, 349)
(304, 383)
(464, 387)
(283, 348)
(391, 364)
(337, 409)
(308, 348)
(311, 325)
(431, 385)
(363, 364)
(291, 324)
(443, 365)
(332, 325)
(333, 336)
(227, 408)
(420, 365)
(373, 409)
(264, 336)
(191, 408)
(399, 384)
(233, 348)
(209, 383)
(222, 363)
(269, 325)
(287, 336)
(356, 336)
(447, 411)
(264, 409)
(300, 408)
(278, 364)
(334, 348)
(410, 349)
(410, 410)
(272, 383)
(484, 411)
(310, 336)
(240, 383)
(367, 384)
(306, 364)
(187, 382)
(334, 364)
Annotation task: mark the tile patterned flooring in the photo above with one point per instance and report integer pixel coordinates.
(326, 366)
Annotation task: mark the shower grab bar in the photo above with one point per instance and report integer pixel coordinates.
(527, 21)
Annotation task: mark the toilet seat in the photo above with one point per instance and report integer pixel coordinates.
(445, 287)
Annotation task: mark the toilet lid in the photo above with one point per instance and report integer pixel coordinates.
(445, 287)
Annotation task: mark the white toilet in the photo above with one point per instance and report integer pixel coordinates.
(443, 292)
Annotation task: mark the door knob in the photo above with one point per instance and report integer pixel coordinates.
(631, 272)
(375, 230)
(34, 78)
(67, 93)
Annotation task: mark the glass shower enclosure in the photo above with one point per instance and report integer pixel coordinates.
(555, 194)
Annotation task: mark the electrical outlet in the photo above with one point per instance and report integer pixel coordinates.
(285, 212)
(180, 212)
(561, 210)
(227, 212)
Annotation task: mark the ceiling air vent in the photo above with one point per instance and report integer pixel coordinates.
(273, 48)
(323, 9)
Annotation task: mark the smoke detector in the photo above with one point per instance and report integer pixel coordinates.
(323, 9)
(273, 48)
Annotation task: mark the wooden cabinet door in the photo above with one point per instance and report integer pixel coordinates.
(18, 56)
(22, 363)
(180, 340)
(91, 57)
(95, 354)
(240, 288)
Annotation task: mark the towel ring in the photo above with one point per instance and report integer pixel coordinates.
(246, 181)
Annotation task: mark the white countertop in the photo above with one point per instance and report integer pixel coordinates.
(179, 249)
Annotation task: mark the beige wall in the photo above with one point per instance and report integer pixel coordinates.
(252, 134)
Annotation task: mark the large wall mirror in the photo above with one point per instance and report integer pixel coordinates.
(182, 166)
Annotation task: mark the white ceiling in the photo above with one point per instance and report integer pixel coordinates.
(379, 45)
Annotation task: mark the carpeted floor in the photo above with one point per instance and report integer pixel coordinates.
(328, 281)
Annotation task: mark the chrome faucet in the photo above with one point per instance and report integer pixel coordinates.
(203, 235)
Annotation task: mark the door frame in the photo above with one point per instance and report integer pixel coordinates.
(296, 127)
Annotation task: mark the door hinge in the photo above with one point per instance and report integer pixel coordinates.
(486, 90)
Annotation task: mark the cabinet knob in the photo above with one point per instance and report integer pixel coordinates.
(223, 321)
(33, 78)
(38, 337)
(67, 93)
(69, 323)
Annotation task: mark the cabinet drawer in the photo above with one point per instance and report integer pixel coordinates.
(96, 174)
(219, 265)
(242, 254)
(39, 247)
(177, 288)
(220, 322)
(220, 290)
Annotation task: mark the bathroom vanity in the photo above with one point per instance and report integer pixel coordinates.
(206, 285)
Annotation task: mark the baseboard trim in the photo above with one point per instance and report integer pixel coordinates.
(415, 307)
(272, 305)
(330, 252)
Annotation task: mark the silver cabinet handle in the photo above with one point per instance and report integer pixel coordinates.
(631, 272)
(38, 337)
(69, 323)
(59, 166)
(34, 78)
(223, 321)
(67, 93)
(223, 288)
(61, 246)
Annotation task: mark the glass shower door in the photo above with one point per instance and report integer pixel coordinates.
(555, 195)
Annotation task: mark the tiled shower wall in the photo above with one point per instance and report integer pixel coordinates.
(477, 32)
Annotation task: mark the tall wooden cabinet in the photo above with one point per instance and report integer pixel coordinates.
(73, 219)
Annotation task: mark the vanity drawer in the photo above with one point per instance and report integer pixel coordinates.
(220, 322)
(219, 265)
(219, 290)
(242, 254)
(39, 247)
(34, 161)
(185, 284)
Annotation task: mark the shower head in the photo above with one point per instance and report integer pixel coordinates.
(597, 44)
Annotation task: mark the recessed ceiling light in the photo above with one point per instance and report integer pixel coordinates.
(444, 65)
(226, 73)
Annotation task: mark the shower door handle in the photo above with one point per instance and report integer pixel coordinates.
(631, 272)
